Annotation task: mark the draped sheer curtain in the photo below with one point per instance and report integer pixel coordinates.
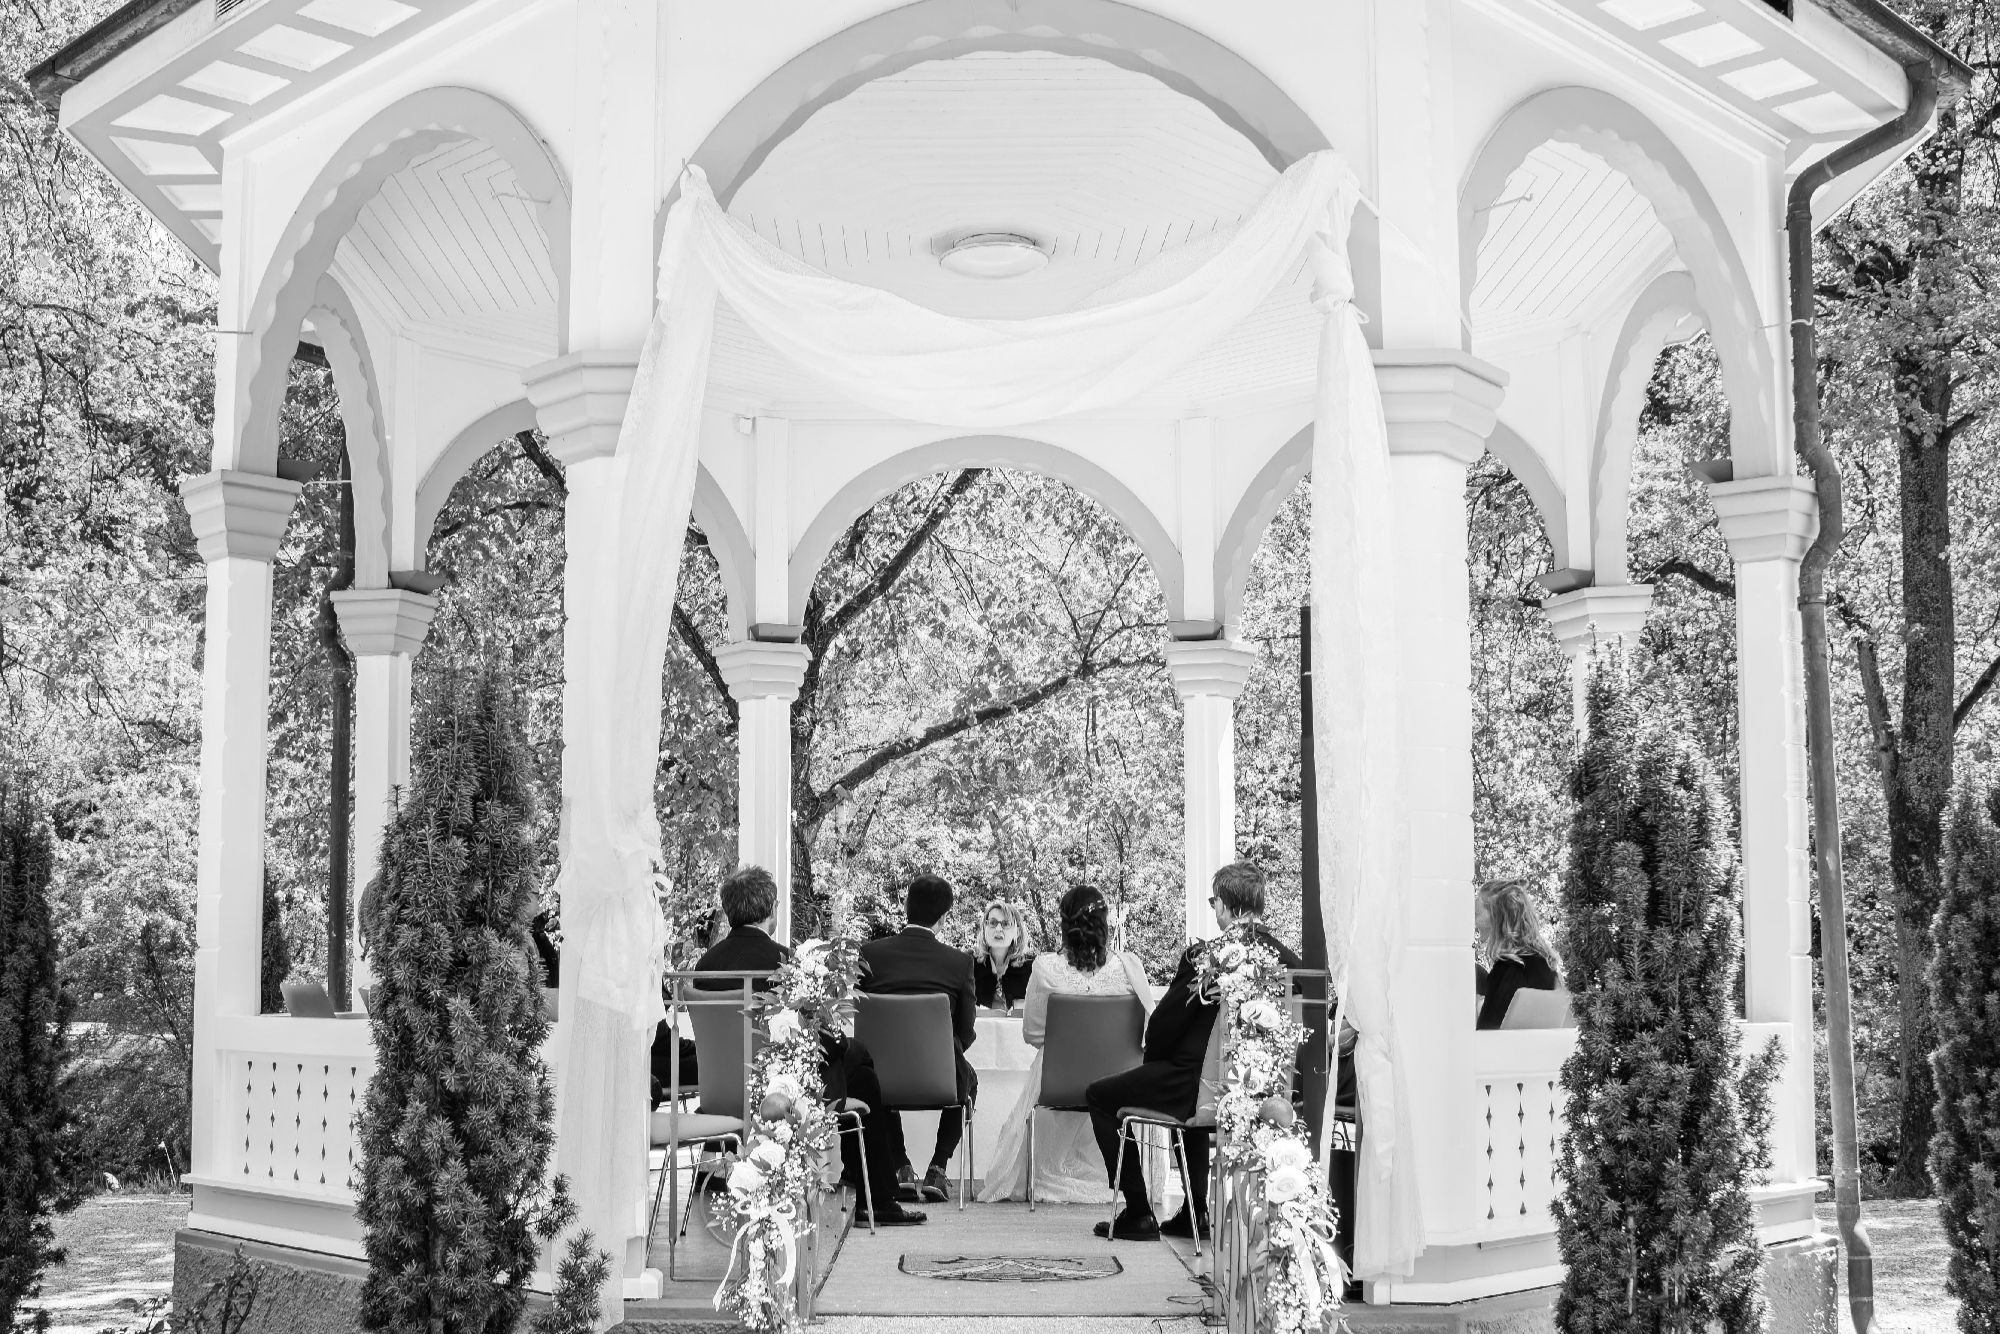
(909, 362)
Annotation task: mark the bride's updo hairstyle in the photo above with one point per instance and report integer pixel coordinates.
(1086, 928)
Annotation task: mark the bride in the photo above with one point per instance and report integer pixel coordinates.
(1070, 1168)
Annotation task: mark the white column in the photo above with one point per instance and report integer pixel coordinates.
(1586, 617)
(600, 1131)
(1208, 674)
(1769, 522)
(384, 629)
(239, 519)
(764, 680)
(1439, 406)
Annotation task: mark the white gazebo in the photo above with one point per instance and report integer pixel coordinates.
(463, 202)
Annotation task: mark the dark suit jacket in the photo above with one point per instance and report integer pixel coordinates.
(1179, 1030)
(914, 962)
(744, 950)
(1011, 988)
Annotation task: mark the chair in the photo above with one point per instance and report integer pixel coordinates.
(723, 1038)
(916, 1059)
(1088, 1038)
(307, 1000)
(1177, 1127)
(1532, 1008)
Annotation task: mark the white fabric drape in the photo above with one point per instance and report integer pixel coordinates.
(907, 361)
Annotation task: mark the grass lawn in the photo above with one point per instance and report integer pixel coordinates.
(121, 1254)
(1910, 1256)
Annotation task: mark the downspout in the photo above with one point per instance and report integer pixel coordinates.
(1923, 76)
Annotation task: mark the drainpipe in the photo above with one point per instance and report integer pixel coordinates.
(1922, 70)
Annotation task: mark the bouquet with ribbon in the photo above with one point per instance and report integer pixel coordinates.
(788, 1141)
(1291, 1272)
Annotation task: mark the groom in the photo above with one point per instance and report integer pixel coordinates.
(1170, 1080)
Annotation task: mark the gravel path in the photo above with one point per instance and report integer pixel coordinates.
(121, 1254)
(1910, 1256)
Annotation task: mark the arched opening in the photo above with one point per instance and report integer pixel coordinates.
(987, 699)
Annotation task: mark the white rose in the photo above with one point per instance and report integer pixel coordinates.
(1284, 1183)
(746, 1177)
(782, 1132)
(1259, 1013)
(1229, 955)
(769, 1155)
(784, 1025)
(786, 1085)
(1288, 1153)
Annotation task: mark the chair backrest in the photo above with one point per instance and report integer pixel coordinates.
(1534, 1008)
(722, 1058)
(1211, 1072)
(910, 1038)
(1089, 1037)
(307, 1000)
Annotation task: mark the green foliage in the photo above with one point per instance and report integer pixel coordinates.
(1965, 987)
(1654, 1219)
(35, 1141)
(458, 1124)
(579, 1278)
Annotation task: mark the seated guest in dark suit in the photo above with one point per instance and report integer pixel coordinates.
(914, 962)
(1170, 1079)
(750, 902)
(1002, 962)
(1515, 953)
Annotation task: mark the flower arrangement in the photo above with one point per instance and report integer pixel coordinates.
(789, 1137)
(1293, 1274)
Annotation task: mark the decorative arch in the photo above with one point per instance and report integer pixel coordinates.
(1625, 138)
(717, 518)
(1190, 62)
(1236, 545)
(986, 451)
(345, 343)
(388, 142)
(1661, 316)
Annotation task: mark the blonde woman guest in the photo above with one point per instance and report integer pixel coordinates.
(1001, 961)
(1515, 952)
(1070, 1169)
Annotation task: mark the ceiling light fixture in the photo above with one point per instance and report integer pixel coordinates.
(990, 255)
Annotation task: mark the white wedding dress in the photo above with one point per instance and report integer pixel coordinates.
(1070, 1170)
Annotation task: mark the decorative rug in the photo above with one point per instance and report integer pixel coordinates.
(1011, 1268)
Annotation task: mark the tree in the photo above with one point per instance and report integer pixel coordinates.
(35, 1143)
(1965, 990)
(276, 965)
(1654, 1220)
(1905, 284)
(458, 1125)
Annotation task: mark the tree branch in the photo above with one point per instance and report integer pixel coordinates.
(1978, 692)
(1694, 574)
(690, 634)
(544, 463)
(885, 578)
(1873, 693)
(904, 747)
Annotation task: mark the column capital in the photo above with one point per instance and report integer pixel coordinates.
(755, 669)
(1209, 667)
(580, 400)
(1585, 616)
(1766, 518)
(376, 622)
(1439, 401)
(238, 513)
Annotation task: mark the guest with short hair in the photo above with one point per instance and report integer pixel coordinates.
(750, 902)
(1514, 951)
(1002, 961)
(1169, 1081)
(914, 962)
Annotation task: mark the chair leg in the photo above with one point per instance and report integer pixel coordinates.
(1187, 1191)
(967, 1166)
(1118, 1170)
(867, 1191)
(1031, 1160)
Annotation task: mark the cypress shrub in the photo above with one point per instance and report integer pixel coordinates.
(1965, 987)
(277, 954)
(1653, 1218)
(36, 1146)
(458, 1125)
